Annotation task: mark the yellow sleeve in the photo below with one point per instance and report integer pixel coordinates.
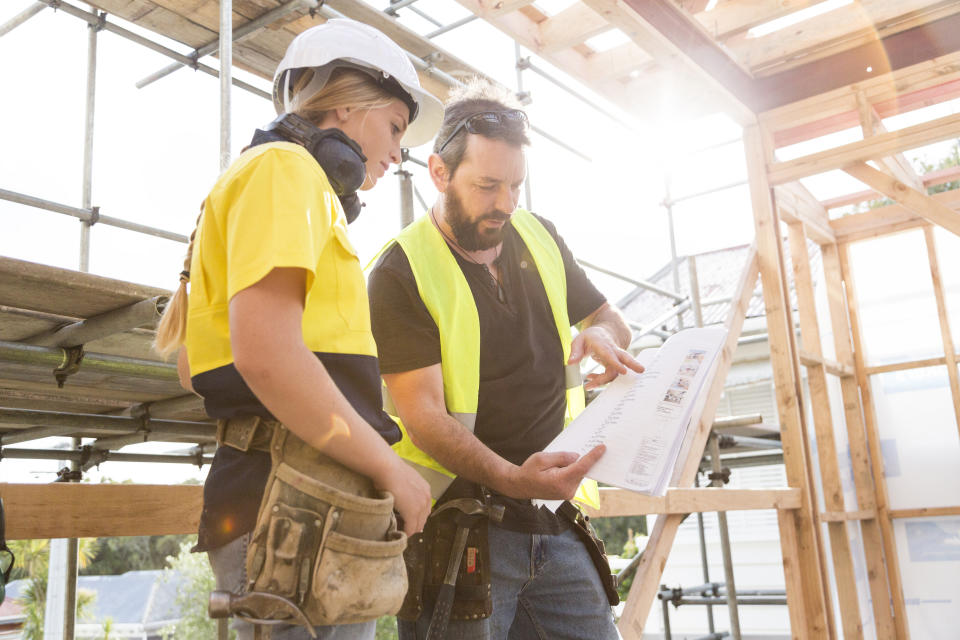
(279, 210)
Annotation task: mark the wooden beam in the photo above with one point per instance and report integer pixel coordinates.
(833, 367)
(843, 28)
(915, 87)
(892, 218)
(906, 366)
(819, 617)
(858, 152)
(925, 512)
(888, 538)
(844, 516)
(827, 456)
(916, 201)
(796, 204)
(877, 58)
(896, 165)
(573, 25)
(881, 581)
(675, 40)
(618, 62)
(67, 510)
(620, 502)
(731, 18)
(489, 9)
(950, 357)
(792, 575)
(646, 584)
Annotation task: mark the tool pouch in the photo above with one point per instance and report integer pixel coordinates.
(472, 599)
(325, 539)
(594, 545)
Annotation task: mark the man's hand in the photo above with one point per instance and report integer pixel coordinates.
(552, 476)
(599, 344)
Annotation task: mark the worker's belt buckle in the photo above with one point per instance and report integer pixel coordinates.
(245, 433)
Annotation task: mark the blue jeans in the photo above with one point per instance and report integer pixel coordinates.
(544, 588)
(229, 568)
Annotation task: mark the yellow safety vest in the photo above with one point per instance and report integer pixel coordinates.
(447, 296)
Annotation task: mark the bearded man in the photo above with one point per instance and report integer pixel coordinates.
(472, 309)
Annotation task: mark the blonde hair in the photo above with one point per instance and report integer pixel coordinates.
(345, 88)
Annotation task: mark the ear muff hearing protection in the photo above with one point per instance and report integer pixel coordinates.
(340, 157)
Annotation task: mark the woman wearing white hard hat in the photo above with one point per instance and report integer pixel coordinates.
(298, 504)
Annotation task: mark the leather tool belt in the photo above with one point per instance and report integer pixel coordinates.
(325, 549)
(594, 545)
(427, 558)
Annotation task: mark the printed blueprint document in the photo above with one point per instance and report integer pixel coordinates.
(643, 418)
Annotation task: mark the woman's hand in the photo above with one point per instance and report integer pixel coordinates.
(411, 493)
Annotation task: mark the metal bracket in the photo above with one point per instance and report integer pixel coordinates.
(94, 216)
(523, 63)
(101, 21)
(141, 413)
(73, 357)
(69, 475)
(723, 475)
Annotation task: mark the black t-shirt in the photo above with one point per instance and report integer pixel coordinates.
(522, 401)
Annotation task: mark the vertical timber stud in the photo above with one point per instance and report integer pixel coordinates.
(817, 615)
(873, 442)
(790, 550)
(949, 350)
(826, 443)
(646, 584)
(878, 574)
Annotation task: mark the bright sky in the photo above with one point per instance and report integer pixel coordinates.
(156, 155)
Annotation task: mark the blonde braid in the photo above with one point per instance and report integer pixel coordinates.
(172, 328)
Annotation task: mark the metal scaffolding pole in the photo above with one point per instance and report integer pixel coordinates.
(703, 558)
(89, 214)
(145, 312)
(70, 577)
(21, 17)
(524, 97)
(731, 600)
(673, 237)
(643, 284)
(226, 75)
(86, 201)
(524, 63)
(239, 34)
(105, 456)
(149, 44)
(453, 25)
(19, 353)
(405, 178)
(84, 422)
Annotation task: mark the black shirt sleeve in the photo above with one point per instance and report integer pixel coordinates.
(583, 298)
(407, 337)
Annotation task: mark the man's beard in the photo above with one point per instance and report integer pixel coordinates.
(467, 232)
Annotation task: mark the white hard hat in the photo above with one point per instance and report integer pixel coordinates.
(347, 43)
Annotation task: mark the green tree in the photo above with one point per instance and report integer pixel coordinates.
(195, 581)
(33, 563)
(134, 553)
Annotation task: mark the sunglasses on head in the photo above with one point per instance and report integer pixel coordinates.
(487, 123)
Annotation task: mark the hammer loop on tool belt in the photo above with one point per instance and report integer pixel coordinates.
(449, 565)
(325, 549)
